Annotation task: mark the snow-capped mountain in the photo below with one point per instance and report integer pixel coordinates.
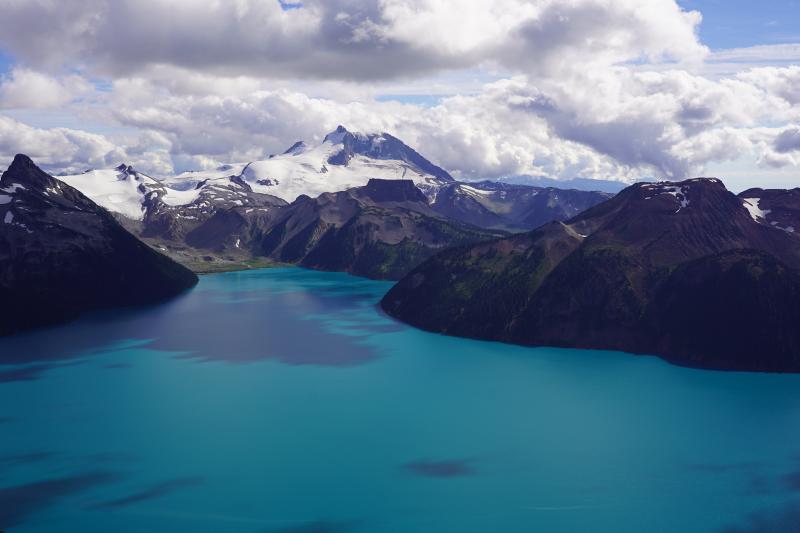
(168, 208)
(121, 190)
(343, 160)
(229, 209)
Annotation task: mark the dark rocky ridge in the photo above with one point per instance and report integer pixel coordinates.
(781, 207)
(680, 270)
(236, 227)
(61, 254)
(512, 207)
(381, 230)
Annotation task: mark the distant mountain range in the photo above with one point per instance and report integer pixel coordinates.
(222, 216)
(362, 203)
(583, 184)
(61, 254)
(511, 207)
(687, 270)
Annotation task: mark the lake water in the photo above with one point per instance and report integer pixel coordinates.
(283, 401)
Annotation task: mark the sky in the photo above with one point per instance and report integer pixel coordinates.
(619, 90)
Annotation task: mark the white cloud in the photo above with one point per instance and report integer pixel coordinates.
(782, 82)
(561, 88)
(27, 89)
(58, 148)
(343, 39)
(788, 141)
(769, 53)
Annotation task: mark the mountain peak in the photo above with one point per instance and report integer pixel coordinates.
(337, 135)
(297, 148)
(24, 171)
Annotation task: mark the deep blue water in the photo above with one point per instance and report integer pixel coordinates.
(284, 401)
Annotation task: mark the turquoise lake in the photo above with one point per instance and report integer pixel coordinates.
(283, 400)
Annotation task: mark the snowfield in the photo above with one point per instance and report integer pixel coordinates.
(307, 171)
(121, 190)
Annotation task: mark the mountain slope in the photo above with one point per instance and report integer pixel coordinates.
(621, 276)
(61, 254)
(380, 230)
(512, 207)
(774, 207)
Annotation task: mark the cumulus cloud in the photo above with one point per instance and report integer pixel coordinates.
(578, 88)
(58, 148)
(344, 39)
(616, 123)
(788, 141)
(783, 82)
(476, 137)
(613, 123)
(27, 89)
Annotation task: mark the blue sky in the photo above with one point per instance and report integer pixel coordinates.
(6, 61)
(742, 23)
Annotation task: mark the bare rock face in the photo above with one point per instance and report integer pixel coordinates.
(61, 254)
(381, 230)
(682, 270)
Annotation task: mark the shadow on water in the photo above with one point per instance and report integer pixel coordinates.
(784, 519)
(20, 502)
(238, 317)
(17, 503)
(156, 491)
(321, 526)
(441, 469)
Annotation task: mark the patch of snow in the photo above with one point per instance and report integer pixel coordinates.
(14, 187)
(680, 193)
(788, 229)
(9, 217)
(472, 191)
(752, 206)
(4, 199)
